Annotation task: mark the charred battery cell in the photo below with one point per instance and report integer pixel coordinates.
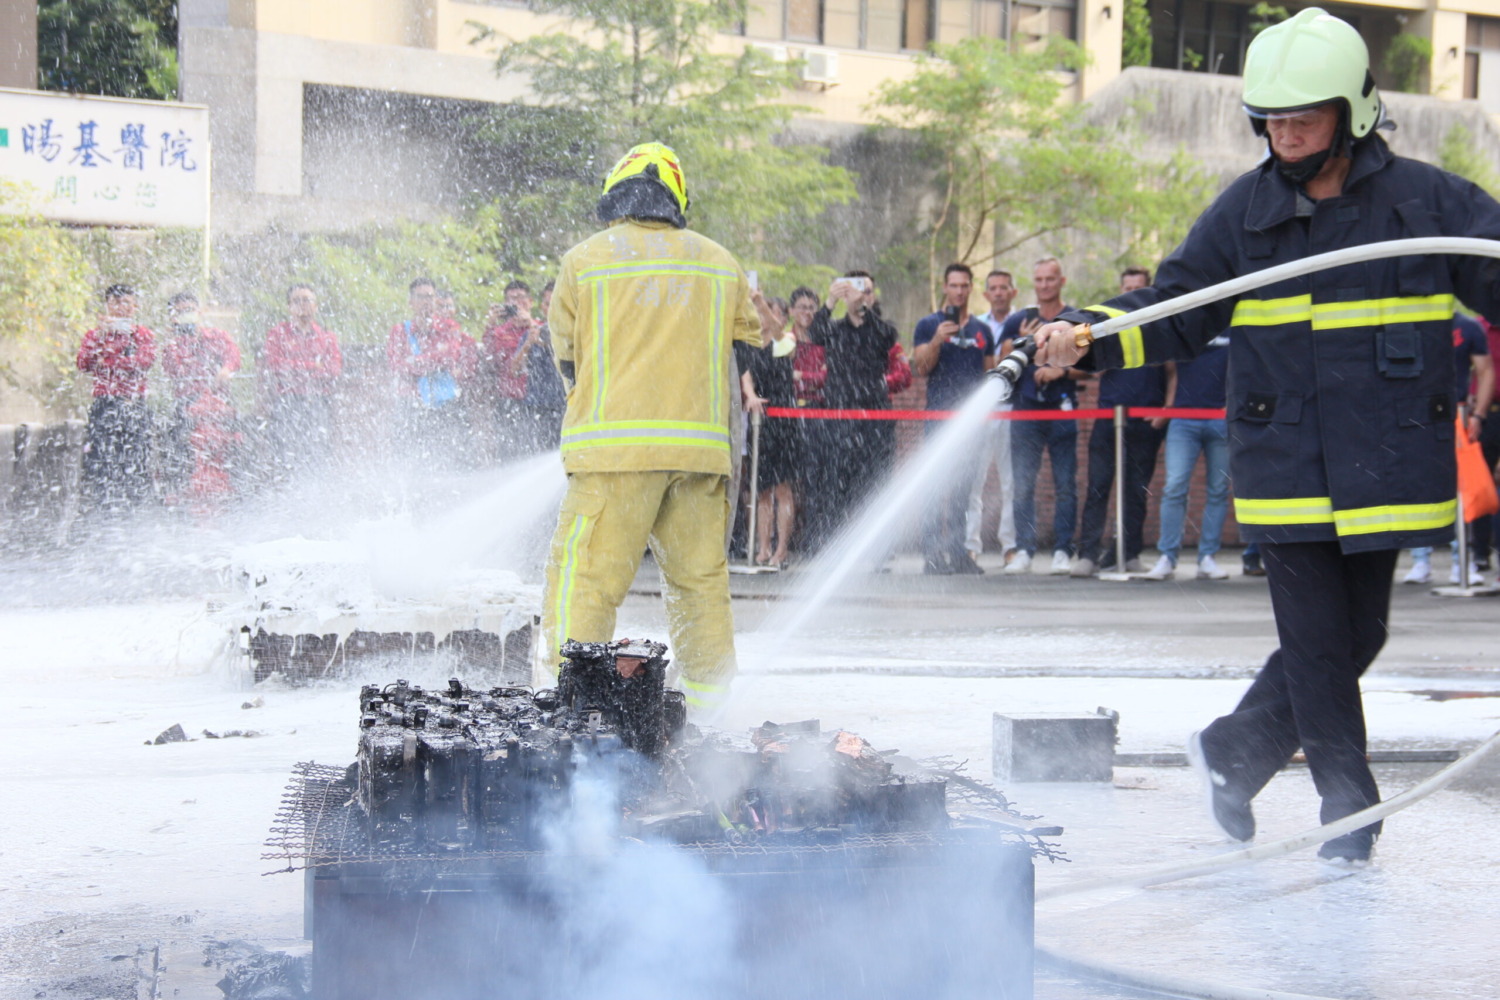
(625, 682)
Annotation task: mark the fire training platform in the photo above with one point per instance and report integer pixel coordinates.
(461, 852)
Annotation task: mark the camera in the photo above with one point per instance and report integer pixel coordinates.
(508, 311)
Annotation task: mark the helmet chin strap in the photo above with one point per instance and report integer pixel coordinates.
(1307, 168)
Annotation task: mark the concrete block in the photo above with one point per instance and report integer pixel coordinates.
(1055, 746)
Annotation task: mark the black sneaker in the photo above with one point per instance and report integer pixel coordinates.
(965, 565)
(1231, 814)
(1251, 566)
(1352, 849)
(934, 567)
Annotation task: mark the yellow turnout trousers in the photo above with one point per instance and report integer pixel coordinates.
(607, 520)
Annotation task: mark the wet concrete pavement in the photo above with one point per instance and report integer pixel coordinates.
(155, 871)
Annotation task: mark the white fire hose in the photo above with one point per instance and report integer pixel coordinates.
(1010, 370)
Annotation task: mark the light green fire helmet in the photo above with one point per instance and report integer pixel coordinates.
(1310, 59)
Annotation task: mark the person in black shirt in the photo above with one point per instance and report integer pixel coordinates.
(857, 454)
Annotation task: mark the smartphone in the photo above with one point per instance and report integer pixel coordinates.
(950, 313)
(754, 279)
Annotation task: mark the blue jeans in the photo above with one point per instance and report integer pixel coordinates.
(1059, 438)
(1185, 439)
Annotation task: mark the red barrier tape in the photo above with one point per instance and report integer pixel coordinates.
(1147, 412)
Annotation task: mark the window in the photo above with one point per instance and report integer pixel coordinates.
(907, 25)
(841, 23)
(883, 25)
(916, 23)
(1033, 21)
(989, 18)
(1482, 62)
(804, 21)
(765, 18)
(1201, 35)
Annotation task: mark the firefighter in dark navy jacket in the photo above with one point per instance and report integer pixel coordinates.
(1340, 397)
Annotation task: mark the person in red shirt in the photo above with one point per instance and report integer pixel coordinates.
(200, 361)
(512, 333)
(117, 353)
(433, 361)
(299, 374)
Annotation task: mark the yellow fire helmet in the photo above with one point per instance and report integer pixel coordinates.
(655, 161)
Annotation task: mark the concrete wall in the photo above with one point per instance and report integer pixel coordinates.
(1201, 113)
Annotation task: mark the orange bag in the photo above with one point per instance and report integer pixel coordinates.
(1476, 480)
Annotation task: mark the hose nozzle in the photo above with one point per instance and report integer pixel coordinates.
(1023, 352)
(1013, 365)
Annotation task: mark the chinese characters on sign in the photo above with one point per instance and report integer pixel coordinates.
(107, 161)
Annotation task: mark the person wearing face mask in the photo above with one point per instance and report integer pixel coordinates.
(118, 354)
(199, 360)
(300, 368)
(1340, 398)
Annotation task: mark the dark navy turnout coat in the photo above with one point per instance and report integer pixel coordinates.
(1340, 398)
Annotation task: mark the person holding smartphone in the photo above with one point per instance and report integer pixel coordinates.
(857, 454)
(953, 350)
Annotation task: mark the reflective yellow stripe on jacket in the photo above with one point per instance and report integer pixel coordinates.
(1343, 315)
(1132, 343)
(607, 433)
(1360, 521)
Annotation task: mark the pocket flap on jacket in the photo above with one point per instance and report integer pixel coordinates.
(1269, 407)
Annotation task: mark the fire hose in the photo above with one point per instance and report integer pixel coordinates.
(1009, 370)
(1176, 986)
(1022, 353)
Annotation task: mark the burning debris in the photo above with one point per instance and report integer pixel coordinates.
(489, 822)
(461, 769)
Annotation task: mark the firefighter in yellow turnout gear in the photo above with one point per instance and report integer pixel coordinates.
(645, 320)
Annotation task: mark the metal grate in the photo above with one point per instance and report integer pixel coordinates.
(318, 825)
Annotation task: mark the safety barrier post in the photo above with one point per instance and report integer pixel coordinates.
(1120, 572)
(750, 536)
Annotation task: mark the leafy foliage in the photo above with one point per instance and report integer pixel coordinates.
(1264, 14)
(1136, 45)
(361, 277)
(1031, 165)
(1406, 59)
(118, 48)
(43, 297)
(651, 72)
(1459, 154)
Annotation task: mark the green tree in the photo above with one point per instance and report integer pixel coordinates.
(1406, 59)
(1458, 154)
(1265, 14)
(650, 71)
(44, 298)
(118, 48)
(1031, 165)
(1136, 46)
(361, 277)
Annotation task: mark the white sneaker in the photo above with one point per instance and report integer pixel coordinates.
(1020, 563)
(1163, 569)
(1062, 564)
(1420, 572)
(1210, 570)
(1083, 568)
(1475, 577)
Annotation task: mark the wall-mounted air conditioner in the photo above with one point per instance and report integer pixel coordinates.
(820, 67)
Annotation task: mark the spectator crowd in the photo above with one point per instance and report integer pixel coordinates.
(831, 361)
